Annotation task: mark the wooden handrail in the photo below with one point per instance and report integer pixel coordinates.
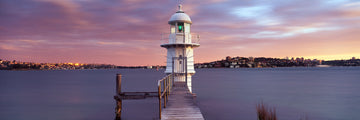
(164, 90)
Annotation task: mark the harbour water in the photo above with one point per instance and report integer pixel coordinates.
(318, 93)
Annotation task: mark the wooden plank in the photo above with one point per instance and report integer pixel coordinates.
(181, 105)
(135, 95)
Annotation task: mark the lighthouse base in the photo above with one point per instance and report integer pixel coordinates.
(182, 78)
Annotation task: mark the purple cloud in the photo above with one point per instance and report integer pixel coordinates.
(124, 32)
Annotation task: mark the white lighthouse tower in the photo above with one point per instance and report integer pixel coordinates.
(179, 44)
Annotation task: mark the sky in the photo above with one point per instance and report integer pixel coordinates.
(128, 32)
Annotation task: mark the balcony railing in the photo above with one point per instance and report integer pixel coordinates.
(180, 38)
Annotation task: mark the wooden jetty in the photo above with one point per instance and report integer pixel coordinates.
(181, 105)
(175, 100)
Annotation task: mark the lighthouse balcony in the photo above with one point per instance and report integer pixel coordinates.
(186, 39)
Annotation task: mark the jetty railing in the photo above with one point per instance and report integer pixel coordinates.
(164, 88)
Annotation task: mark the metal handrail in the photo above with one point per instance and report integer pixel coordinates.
(164, 90)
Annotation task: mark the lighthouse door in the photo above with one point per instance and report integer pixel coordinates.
(179, 64)
(179, 68)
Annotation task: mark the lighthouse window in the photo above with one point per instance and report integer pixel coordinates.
(181, 27)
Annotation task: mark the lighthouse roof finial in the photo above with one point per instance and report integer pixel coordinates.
(180, 9)
(180, 16)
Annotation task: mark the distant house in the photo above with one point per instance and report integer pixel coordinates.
(218, 65)
(226, 64)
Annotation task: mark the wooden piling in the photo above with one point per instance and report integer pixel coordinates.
(118, 109)
(119, 101)
(118, 84)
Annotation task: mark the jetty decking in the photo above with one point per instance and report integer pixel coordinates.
(181, 105)
(175, 100)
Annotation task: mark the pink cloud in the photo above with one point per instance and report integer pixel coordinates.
(128, 32)
(9, 47)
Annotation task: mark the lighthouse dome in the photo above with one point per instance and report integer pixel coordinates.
(180, 16)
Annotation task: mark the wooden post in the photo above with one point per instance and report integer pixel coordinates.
(159, 91)
(167, 89)
(164, 94)
(118, 109)
(168, 85)
(118, 101)
(118, 84)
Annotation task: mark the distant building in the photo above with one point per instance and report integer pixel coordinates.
(228, 58)
(251, 59)
(217, 65)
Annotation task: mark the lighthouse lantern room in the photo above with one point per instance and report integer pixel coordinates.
(179, 45)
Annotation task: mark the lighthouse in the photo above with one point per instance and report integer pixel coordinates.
(180, 44)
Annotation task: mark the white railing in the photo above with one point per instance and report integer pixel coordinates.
(180, 38)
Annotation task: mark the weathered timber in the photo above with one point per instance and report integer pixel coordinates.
(135, 95)
(178, 102)
(118, 107)
(118, 83)
(181, 105)
(164, 90)
(120, 96)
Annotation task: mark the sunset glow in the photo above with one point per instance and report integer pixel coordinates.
(128, 32)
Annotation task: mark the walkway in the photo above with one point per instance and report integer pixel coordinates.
(181, 105)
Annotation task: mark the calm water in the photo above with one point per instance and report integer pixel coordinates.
(222, 94)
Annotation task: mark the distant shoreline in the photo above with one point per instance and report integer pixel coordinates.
(228, 62)
(327, 66)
